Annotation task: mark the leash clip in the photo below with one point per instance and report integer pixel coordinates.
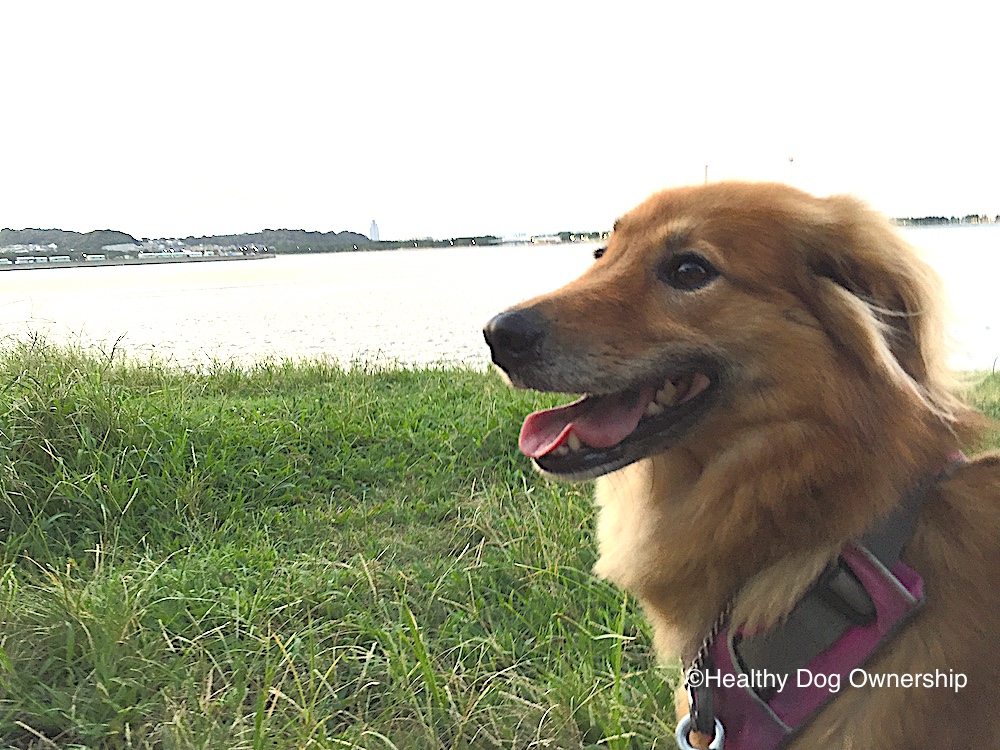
(684, 727)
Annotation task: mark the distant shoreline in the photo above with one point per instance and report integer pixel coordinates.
(947, 224)
(9, 263)
(130, 261)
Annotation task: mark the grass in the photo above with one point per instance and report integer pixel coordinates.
(297, 555)
(301, 556)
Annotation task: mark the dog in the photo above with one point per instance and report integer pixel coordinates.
(766, 401)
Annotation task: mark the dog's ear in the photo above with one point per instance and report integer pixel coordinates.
(878, 301)
(874, 310)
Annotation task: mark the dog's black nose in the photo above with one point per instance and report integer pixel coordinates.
(513, 336)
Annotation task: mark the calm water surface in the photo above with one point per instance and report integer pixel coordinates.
(410, 306)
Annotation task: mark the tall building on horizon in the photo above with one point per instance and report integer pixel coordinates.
(373, 232)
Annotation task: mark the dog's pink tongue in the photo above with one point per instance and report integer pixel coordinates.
(599, 422)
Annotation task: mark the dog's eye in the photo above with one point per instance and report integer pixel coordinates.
(688, 272)
(599, 253)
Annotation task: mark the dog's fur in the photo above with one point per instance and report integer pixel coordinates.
(836, 400)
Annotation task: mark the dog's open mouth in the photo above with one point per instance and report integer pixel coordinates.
(597, 434)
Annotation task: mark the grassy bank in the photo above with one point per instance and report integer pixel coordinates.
(300, 556)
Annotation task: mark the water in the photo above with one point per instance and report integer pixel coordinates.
(968, 260)
(410, 306)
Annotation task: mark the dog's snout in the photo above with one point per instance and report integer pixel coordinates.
(513, 336)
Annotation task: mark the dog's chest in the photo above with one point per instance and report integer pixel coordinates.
(634, 518)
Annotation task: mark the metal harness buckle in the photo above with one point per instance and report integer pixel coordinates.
(684, 727)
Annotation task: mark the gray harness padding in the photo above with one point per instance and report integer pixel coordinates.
(836, 602)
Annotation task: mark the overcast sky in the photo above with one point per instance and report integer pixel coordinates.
(448, 119)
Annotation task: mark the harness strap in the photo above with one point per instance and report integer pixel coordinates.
(838, 600)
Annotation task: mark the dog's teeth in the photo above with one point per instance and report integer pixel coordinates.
(562, 450)
(667, 394)
(574, 442)
(653, 408)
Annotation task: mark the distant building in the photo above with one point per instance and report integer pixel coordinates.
(373, 233)
(126, 247)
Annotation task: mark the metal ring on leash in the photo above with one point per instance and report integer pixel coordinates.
(685, 726)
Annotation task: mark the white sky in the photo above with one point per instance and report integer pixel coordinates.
(447, 119)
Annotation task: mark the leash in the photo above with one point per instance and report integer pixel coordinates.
(838, 606)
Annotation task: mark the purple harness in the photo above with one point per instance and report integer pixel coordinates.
(748, 710)
(753, 724)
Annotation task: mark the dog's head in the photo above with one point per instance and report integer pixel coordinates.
(716, 308)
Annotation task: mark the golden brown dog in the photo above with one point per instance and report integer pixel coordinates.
(765, 381)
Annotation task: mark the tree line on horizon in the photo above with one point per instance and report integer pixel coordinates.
(935, 220)
(291, 241)
(285, 241)
(65, 241)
